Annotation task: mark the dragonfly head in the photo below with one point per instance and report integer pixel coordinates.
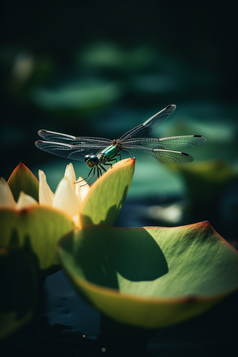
(91, 160)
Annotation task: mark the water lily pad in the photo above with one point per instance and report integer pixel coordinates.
(37, 229)
(150, 277)
(22, 179)
(107, 195)
(18, 298)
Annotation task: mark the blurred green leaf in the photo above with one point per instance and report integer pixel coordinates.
(150, 277)
(19, 288)
(106, 56)
(107, 195)
(80, 96)
(37, 229)
(206, 180)
(22, 179)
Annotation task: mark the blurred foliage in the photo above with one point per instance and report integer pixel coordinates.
(206, 181)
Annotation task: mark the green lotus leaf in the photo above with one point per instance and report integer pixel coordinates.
(107, 195)
(19, 288)
(36, 229)
(22, 179)
(150, 277)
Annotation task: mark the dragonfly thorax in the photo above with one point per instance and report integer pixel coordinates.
(117, 144)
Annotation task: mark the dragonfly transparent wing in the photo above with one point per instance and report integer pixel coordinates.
(70, 139)
(74, 152)
(159, 155)
(145, 129)
(69, 146)
(170, 143)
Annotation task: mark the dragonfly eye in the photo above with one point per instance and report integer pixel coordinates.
(86, 157)
(94, 159)
(91, 160)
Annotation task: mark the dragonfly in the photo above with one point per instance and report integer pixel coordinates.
(98, 153)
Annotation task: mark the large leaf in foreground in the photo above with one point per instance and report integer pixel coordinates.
(19, 290)
(36, 229)
(150, 277)
(107, 195)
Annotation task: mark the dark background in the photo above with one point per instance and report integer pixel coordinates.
(200, 33)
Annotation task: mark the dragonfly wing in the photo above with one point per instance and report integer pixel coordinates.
(69, 151)
(170, 143)
(160, 155)
(57, 137)
(181, 142)
(145, 129)
(70, 139)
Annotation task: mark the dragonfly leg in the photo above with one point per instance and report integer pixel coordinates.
(86, 176)
(91, 173)
(92, 178)
(119, 155)
(115, 158)
(108, 164)
(112, 159)
(98, 172)
(101, 167)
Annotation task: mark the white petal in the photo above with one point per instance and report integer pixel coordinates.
(76, 220)
(25, 201)
(81, 190)
(6, 196)
(65, 198)
(46, 196)
(70, 173)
